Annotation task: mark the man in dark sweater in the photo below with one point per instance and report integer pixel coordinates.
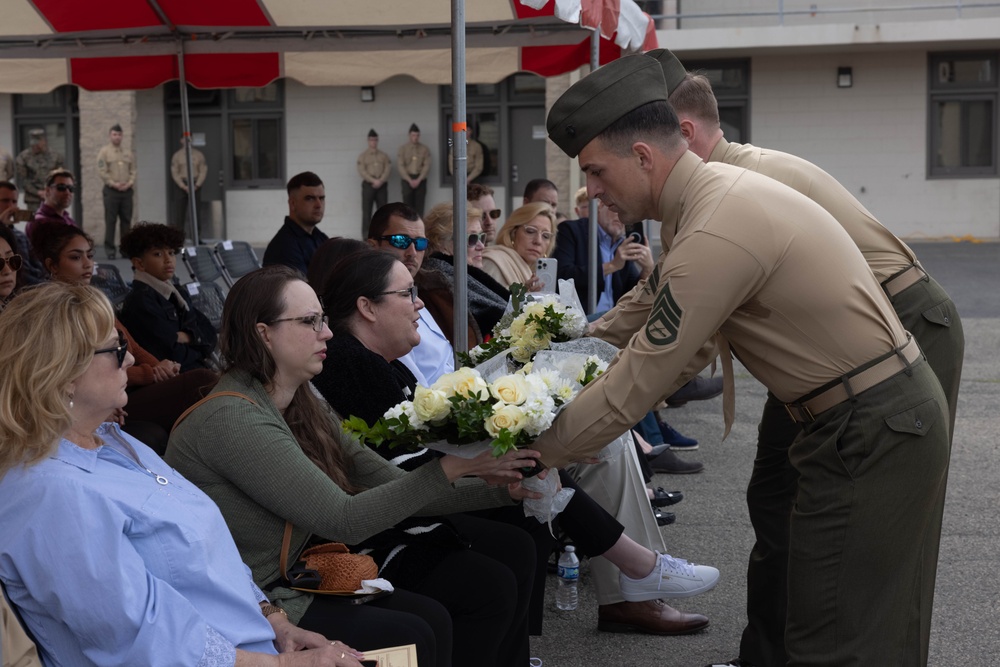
(298, 238)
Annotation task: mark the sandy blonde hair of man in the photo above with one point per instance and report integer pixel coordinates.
(439, 225)
(694, 97)
(49, 334)
(523, 216)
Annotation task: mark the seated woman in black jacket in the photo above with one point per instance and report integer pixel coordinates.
(160, 316)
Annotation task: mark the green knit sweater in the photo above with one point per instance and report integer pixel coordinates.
(245, 458)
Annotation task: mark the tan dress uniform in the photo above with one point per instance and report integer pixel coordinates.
(6, 165)
(924, 309)
(179, 175)
(801, 309)
(414, 161)
(473, 160)
(373, 165)
(115, 165)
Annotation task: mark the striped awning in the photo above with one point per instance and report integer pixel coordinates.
(134, 44)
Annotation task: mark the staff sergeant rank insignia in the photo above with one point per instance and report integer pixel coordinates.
(664, 317)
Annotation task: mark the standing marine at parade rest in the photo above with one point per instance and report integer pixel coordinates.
(374, 167)
(414, 162)
(923, 307)
(800, 308)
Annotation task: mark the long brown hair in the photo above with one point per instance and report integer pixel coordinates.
(257, 297)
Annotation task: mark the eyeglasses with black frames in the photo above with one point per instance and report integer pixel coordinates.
(403, 241)
(315, 322)
(410, 291)
(120, 350)
(494, 214)
(14, 262)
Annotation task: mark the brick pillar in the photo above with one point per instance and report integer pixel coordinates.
(98, 112)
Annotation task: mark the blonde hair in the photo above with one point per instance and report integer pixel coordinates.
(694, 97)
(521, 217)
(439, 225)
(581, 196)
(34, 396)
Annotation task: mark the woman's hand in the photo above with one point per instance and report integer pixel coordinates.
(118, 416)
(288, 637)
(165, 370)
(518, 492)
(501, 470)
(534, 284)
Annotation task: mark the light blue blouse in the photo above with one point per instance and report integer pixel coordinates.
(115, 559)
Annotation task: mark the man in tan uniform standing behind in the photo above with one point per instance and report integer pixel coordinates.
(414, 162)
(374, 167)
(116, 168)
(922, 305)
(798, 304)
(179, 174)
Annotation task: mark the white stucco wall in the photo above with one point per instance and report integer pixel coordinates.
(872, 137)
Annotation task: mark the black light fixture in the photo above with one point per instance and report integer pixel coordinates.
(367, 93)
(845, 77)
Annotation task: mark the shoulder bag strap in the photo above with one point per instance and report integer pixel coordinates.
(205, 400)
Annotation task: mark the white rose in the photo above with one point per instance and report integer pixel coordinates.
(510, 389)
(463, 382)
(430, 404)
(504, 416)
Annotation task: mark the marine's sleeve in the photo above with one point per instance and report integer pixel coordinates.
(425, 163)
(102, 166)
(692, 299)
(475, 157)
(386, 165)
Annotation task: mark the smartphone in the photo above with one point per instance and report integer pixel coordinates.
(546, 269)
(635, 237)
(23, 215)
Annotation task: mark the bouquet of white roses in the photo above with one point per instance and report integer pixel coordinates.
(534, 325)
(463, 409)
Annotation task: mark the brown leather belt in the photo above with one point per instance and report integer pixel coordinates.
(855, 383)
(904, 279)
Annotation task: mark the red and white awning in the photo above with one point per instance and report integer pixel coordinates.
(133, 44)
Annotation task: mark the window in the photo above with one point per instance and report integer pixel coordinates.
(963, 115)
(731, 83)
(253, 152)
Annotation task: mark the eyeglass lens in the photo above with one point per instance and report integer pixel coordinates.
(14, 262)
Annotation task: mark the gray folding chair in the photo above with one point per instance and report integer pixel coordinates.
(201, 263)
(109, 280)
(208, 298)
(237, 259)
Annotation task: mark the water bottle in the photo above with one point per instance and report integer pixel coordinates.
(569, 575)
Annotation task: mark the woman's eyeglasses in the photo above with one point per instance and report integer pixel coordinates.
(120, 350)
(315, 322)
(475, 239)
(14, 262)
(532, 232)
(494, 214)
(402, 241)
(410, 291)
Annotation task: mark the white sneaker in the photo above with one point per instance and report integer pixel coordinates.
(671, 578)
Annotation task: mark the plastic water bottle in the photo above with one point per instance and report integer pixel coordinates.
(569, 574)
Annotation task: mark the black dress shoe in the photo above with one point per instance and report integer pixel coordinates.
(664, 518)
(663, 498)
(653, 617)
(671, 464)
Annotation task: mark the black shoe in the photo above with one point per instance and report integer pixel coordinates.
(663, 498)
(664, 518)
(698, 389)
(671, 464)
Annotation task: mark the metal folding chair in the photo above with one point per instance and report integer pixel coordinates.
(208, 298)
(237, 259)
(109, 280)
(202, 263)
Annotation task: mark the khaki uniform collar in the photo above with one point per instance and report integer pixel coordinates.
(719, 152)
(671, 204)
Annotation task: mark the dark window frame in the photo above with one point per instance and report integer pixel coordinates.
(939, 92)
(729, 98)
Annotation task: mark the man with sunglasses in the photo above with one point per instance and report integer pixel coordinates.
(59, 187)
(297, 240)
(397, 229)
(33, 165)
(481, 196)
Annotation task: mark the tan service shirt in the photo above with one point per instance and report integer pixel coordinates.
(473, 160)
(885, 254)
(763, 265)
(413, 161)
(6, 165)
(116, 165)
(374, 165)
(178, 167)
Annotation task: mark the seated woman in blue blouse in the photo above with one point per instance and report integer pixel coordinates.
(111, 557)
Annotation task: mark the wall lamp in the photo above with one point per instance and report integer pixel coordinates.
(367, 93)
(845, 77)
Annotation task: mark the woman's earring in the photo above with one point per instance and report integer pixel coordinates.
(71, 401)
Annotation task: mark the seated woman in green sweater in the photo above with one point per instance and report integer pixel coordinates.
(276, 455)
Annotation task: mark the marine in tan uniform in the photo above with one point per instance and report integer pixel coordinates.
(799, 306)
(179, 175)
(414, 163)
(374, 167)
(473, 160)
(6, 165)
(33, 166)
(116, 167)
(924, 309)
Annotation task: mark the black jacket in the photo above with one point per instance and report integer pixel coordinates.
(154, 323)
